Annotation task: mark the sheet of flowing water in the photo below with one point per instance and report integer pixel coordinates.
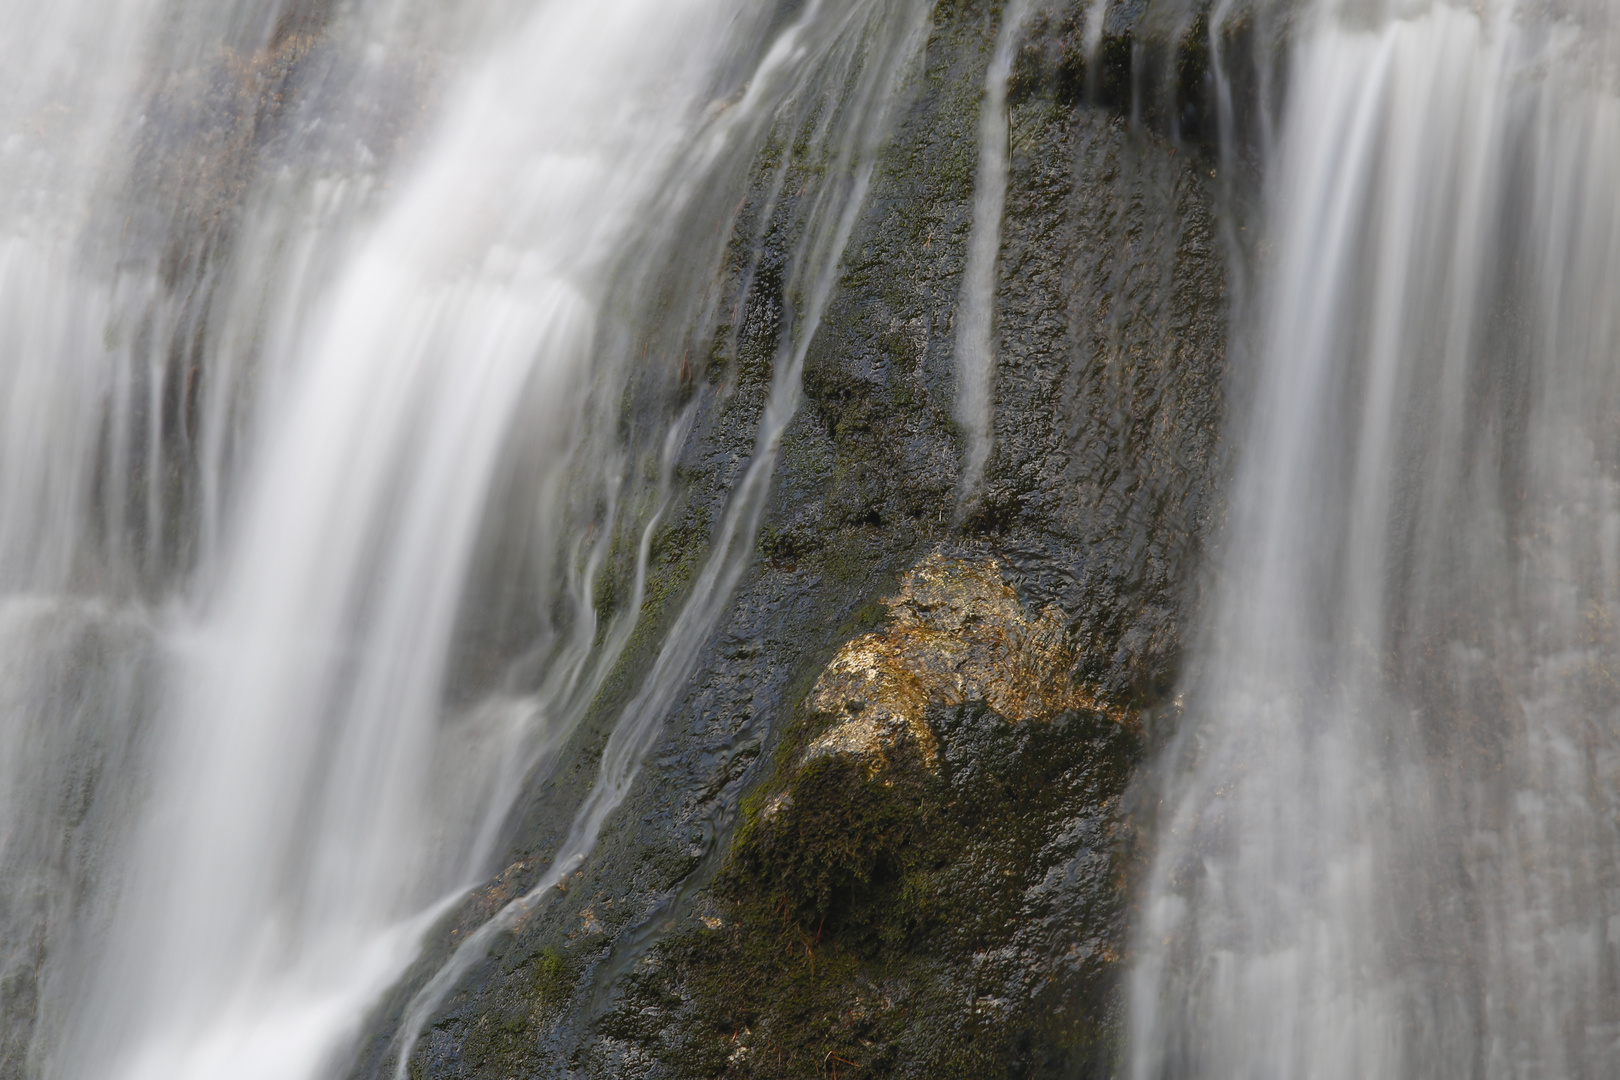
(975, 353)
(1387, 844)
(341, 373)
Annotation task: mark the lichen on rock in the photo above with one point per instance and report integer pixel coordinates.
(956, 633)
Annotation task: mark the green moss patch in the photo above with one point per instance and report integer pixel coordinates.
(912, 922)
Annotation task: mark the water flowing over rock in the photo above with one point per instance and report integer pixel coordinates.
(440, 438)
(1385, 843)
(893, 538)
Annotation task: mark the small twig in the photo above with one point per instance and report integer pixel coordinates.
(833, 1056)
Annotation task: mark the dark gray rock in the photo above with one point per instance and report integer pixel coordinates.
(966, 919)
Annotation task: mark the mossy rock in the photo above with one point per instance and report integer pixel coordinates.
(913, 921)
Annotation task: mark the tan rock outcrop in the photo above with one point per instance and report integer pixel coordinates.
(956, 633)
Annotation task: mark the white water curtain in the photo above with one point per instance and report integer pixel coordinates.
(1387, 841)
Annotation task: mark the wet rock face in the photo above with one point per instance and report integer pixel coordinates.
(883, 834)
(928, 922)
(923, 886)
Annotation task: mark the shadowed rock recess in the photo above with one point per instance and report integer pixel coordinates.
(884, 834)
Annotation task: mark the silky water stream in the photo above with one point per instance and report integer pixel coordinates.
(343, 367)
(1386, 835)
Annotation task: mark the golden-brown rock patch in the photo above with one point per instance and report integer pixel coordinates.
(956, 633)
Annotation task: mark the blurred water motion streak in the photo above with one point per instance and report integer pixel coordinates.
(342, 374)
(1387, 840)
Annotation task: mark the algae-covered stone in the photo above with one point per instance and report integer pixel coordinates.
(948, 922)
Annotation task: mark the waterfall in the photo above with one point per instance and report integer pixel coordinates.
(1386, 831)
(347, 355)
(975, 353)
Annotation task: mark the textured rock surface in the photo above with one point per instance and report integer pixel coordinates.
(956, 633)
(767, 903)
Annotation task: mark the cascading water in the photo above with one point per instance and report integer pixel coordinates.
(345, 360)
(975, 359)
(1387, 839)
